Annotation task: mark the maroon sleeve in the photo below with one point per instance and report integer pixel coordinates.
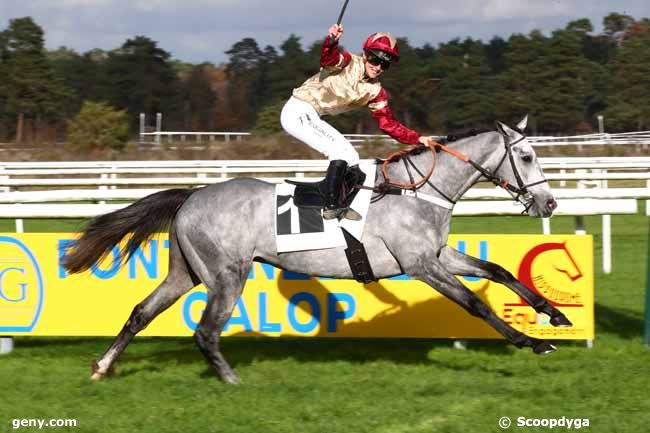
(387, 123)
(333, 56)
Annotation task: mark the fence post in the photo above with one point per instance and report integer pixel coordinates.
(158, 127)
(601, 124)
(646, 338)
(142, 130)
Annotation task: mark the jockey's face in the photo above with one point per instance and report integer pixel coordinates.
(372, 71)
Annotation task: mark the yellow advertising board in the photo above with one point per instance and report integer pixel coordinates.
(37, 296)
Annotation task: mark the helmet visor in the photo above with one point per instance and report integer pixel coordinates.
(379, 58)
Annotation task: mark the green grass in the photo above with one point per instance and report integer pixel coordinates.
(339, 385)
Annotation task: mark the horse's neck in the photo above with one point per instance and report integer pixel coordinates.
(451, 175)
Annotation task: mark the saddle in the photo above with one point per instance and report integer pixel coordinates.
(308, 194)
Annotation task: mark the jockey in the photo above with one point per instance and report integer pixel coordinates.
(345, 82)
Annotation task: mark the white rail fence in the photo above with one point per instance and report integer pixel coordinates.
(86, 189)
(639, 138)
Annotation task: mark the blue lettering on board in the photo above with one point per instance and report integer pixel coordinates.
(23, 286)
(187, 308)
(109, 273)
(269, 271)
(63, 245)
(138, 259)
(150, 266)
(265, 325)
(334, 314)
(243, 319)
(294, 276)
(482, 254)
(315, 312)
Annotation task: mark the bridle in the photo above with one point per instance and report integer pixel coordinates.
(519, 192)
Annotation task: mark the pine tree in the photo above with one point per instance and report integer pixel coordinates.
(244, 74)
(32, 89)
(141, 79)
(549, 79)
(567, 81)
(520, 82)
(199, 100)
(628, 95)
(290, 69)
(4, 115)
(468, 89)
(84, 74)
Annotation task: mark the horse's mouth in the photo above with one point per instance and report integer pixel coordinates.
(541, 208)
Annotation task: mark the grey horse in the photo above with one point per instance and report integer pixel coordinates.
(217, 231)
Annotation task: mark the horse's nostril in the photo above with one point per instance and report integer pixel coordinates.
(551, 204)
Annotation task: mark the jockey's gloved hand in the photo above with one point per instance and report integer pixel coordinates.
(335, 32)
(426, 141)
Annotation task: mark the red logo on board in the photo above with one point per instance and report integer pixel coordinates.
(550, 280)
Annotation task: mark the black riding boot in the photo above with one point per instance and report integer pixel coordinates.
(331, 188)
(354, 177)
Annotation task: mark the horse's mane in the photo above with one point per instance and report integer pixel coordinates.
(450, 138)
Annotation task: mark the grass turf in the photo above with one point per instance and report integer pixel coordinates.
(339, 385)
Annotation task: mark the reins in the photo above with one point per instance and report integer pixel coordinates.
(403, 154)
(389, 186)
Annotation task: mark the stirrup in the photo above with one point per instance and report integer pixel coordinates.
(330, 214)
(351, 214)
(340, 213)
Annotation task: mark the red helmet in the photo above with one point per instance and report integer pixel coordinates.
(382, 42)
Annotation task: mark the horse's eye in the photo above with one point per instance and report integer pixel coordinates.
(527, 158)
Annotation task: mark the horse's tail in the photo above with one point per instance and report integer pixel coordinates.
(143, 218)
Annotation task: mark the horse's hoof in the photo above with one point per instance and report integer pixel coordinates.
(560, 321)
(231, 379)
(97, 374)
(544, 347)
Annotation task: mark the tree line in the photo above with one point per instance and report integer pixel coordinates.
(563, 81)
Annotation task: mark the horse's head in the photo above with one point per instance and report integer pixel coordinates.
(521, 170)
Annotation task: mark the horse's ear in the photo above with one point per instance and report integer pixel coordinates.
(501, 127)
(505, 130)
(522, 124)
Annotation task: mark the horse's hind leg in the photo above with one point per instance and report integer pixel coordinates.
(461, 264)
(437, 276)
(178, 282)
(222, 297)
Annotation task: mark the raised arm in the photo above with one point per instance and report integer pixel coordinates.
(331, 55)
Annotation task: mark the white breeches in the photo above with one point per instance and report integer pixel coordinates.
(302, 121)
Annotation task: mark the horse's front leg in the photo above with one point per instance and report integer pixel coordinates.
(434, 273)
(458, 263)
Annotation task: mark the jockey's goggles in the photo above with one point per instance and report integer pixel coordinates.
(379, 58)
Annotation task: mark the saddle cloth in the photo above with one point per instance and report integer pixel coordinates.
(301, 229)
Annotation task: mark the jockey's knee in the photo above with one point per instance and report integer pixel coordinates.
(347, 154)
